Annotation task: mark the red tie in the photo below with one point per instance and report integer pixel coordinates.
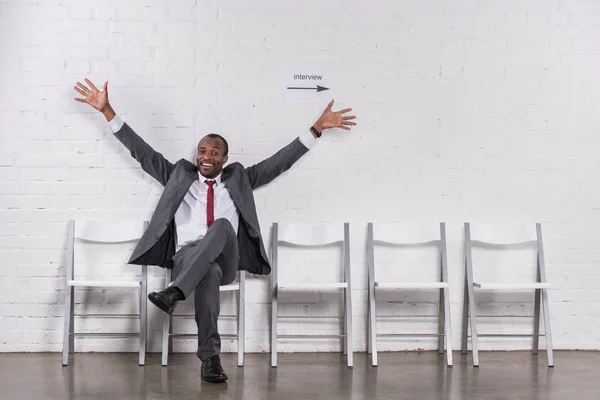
(210, 203)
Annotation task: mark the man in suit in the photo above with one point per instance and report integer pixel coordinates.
(205, 225)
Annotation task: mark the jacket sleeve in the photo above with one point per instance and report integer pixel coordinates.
(151, 161)
(265, 171)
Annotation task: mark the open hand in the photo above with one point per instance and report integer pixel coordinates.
(335, 119)
(95, 98)
(92, 96)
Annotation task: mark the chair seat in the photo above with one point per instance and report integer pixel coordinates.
(234, 287)
(312, 286)
(411, 285)
(511, 286)
(95, 283)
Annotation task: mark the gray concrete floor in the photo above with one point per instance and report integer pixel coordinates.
(411, 375)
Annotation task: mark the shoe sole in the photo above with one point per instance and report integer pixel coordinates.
(214, 380)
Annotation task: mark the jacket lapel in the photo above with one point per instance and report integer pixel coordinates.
(167, 206)
(234, 191)
(178, 187)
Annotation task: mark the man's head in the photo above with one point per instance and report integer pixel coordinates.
(212, 155)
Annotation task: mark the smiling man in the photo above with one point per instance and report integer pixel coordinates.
(205, 225)
(212, 154)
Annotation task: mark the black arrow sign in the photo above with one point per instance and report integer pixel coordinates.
(318, 88)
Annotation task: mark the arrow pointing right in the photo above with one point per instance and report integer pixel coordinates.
(318, 88)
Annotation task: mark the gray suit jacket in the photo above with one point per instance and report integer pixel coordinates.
(157, 245)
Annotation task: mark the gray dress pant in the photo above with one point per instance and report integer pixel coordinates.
(204, 265)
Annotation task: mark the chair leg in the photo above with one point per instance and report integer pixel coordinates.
(166, 337)
(544, 295)
(369, 348)
(465, 321)
(536, 321)
(441, 320)
(473, 317)
(68, 325)
(143, 332)
(372, 324)
(143, 320)
(344, 327)
(241, 322)
(72, 324)
(447, 327)
(547, 329)
(349, 340)
(274, 329)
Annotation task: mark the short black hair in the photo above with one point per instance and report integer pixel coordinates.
(217, 136)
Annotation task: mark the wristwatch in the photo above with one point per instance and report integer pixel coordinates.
(316, 132)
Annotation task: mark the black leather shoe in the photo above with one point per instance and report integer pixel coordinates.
(212, 371)
(166, 300)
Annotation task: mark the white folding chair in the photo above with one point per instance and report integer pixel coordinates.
(105, 233)
(504, 237)
(311, 236)
(410, 235)
(168, 320)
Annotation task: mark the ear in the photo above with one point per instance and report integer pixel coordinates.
(225, 159)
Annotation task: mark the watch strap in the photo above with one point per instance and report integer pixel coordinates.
(315, 131)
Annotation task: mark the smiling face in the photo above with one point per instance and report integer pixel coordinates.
(212, 155)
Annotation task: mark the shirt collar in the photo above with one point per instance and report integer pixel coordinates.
(202, 179)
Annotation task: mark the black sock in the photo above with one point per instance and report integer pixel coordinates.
(179, 293)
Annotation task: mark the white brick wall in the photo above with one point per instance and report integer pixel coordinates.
(468, 110)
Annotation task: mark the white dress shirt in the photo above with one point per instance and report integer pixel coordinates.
(190, 217)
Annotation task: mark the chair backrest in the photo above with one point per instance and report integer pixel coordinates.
(102, 248)
(309, 235)
(503, 249)
(108, 232)
(504, 234)
(302, 235)
(414, 235)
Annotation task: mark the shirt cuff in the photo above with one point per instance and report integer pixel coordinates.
(116, 123)
(307, 139)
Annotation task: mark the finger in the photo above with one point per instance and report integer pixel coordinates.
(83, 87)
(105, 88)
(345, 127)
(348, 123)
(81, 92)
(92, 87)
(329, 105)
(350, 117)
(80, 100)
(345, 110)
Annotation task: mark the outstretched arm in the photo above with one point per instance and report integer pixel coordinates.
(270, 168)
(150, 160)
